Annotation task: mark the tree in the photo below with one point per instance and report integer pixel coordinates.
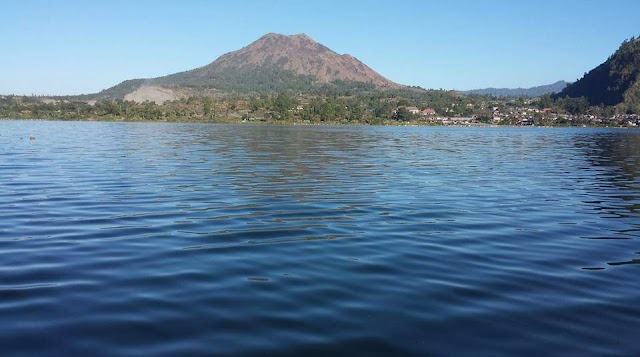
(283, 104)
(402, 114)
(206, 106)
(575, 105)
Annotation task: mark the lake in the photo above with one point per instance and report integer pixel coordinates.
(195, 239)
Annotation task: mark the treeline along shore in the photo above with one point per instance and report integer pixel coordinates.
(411, 106)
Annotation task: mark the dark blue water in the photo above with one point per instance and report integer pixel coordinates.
(181, 239)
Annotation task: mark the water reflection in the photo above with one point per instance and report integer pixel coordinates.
(620, 153)
(221, 239)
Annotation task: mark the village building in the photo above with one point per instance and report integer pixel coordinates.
(413, 110)
(428, 112)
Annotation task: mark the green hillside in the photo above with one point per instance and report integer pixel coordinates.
(616, 82)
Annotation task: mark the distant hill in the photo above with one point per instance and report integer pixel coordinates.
(614, 82)
(520, 92)
(272, 63)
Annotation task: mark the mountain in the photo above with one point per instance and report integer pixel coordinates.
(272, 63)
(520, 92)
(614, 82)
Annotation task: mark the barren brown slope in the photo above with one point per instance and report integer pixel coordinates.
(301, 55)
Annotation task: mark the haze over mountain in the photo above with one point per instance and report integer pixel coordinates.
(520, 92)
(613, 83)
(272, 63)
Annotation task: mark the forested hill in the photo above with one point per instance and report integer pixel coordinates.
(616, 82)
(520, 92)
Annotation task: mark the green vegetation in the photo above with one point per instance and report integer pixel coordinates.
(248, 79)
(344, 103)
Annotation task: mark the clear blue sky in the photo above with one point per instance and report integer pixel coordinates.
(72, 47)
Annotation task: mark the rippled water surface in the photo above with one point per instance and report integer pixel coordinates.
(176, 239)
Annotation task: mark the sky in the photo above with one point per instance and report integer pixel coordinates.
(74, 47)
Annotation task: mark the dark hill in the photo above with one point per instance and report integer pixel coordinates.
(614, 82)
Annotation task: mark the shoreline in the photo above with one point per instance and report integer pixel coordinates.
(275, 123)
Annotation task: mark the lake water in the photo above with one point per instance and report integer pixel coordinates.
(187, 239)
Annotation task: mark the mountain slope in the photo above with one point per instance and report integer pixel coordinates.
(614, 82)
(299, 54)
(272, 63)
(520, 92)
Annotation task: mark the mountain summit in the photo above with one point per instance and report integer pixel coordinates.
(272, 63)
(301, 55)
